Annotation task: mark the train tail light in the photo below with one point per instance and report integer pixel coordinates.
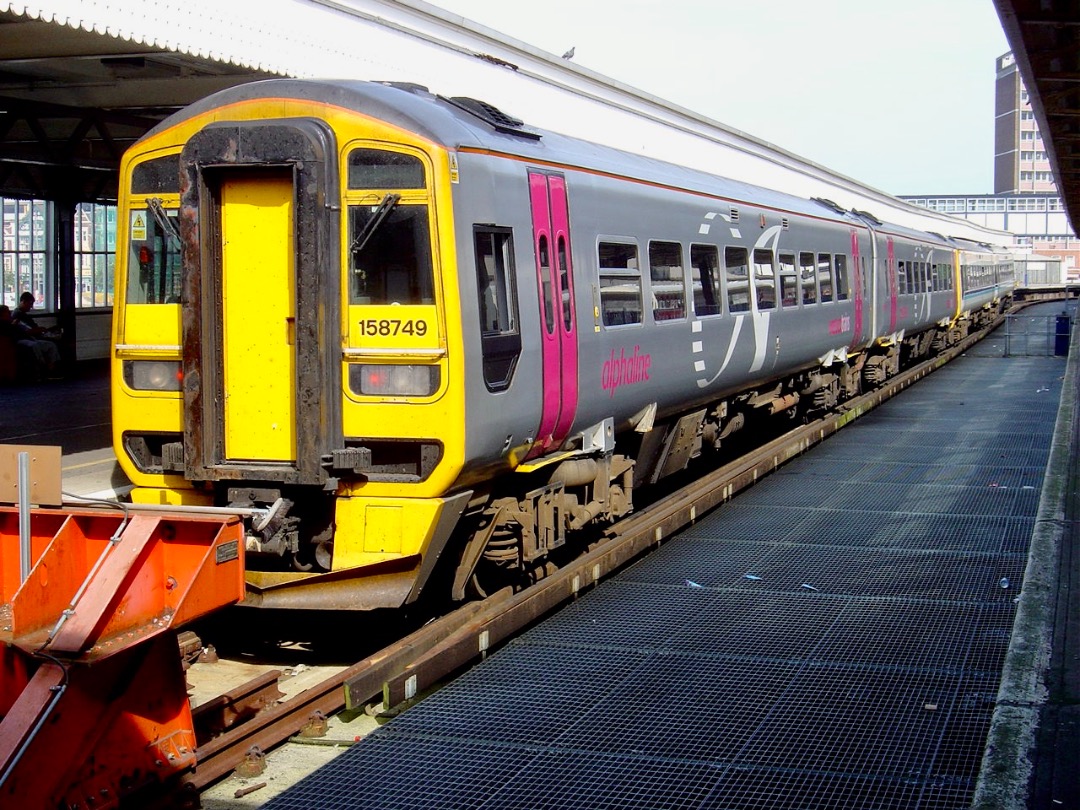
(393, 381)
(153, 375)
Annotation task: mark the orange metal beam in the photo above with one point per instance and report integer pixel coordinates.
(110, 590)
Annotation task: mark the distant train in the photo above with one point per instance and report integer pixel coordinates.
(433, 344)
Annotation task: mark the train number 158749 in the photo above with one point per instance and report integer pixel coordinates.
(388, 327)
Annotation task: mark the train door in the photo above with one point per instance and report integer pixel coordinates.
(260, 312)
(258, 286)
(858, 287)
(558, 327)
(890, 275)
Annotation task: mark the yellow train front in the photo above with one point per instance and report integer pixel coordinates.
(282, 341)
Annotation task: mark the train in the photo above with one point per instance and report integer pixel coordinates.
(428, 347)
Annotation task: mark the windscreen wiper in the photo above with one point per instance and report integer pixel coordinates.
(165, 222)
(377, 218)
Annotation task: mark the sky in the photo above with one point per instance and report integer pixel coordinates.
(898, 94)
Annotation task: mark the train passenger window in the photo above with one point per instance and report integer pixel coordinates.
(808, 275)
(543, 263)
(737, 272)
(620, 283)
(789, 281)
(824, 274)
(935, 278)
(154, 267)
(666, 277)
(500, 336)
(842, 286)
(390, 254)
(764, 279)
(901, 278)
(564, 286)
(705, 259)
(380, 169)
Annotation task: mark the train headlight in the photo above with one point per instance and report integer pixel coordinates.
(393, 381)
(153, 375)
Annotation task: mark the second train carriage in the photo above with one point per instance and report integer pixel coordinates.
(415, 331)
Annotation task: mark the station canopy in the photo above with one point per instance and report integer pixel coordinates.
(72, 101)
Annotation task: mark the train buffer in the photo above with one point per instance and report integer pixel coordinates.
(93, 698)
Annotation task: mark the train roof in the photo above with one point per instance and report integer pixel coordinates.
(462, 122)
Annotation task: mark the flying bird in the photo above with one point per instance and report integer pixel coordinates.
(569, 54)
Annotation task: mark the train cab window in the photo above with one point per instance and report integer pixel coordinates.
(158, 176)
(381, 169)
(620, 283)
(808, 277)
(737, 276)
(705, 259)
(789, 281)
(842, 285)
(824, 274)
(154, 267)
(764, 279)
(666, 281)
(390, 247)
(500, 335)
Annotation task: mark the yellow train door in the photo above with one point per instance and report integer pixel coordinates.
(258, 285)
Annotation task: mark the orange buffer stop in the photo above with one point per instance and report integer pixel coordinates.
(92, 693)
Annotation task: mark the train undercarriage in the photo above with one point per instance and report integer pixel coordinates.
(548, 510)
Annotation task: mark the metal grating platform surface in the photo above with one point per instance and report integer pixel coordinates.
(832, 638)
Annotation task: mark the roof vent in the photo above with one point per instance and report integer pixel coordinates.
(492, 115)
(408, 87)
(734, 213)
(783, 223)
(829, 204)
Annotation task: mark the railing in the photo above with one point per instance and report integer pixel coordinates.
(1031, 336)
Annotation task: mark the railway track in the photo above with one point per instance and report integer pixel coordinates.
(403, 671)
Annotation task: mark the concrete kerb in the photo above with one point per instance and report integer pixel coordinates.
(1005, 773)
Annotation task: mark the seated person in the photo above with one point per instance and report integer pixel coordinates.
(32, 338)
(8, 346)
(23, 317)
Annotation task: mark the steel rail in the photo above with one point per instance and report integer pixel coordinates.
(456, 640)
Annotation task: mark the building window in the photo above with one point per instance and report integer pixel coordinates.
(95, 254)
(24, 224)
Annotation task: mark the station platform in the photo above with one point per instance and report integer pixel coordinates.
(835, 637)
(73, 413)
